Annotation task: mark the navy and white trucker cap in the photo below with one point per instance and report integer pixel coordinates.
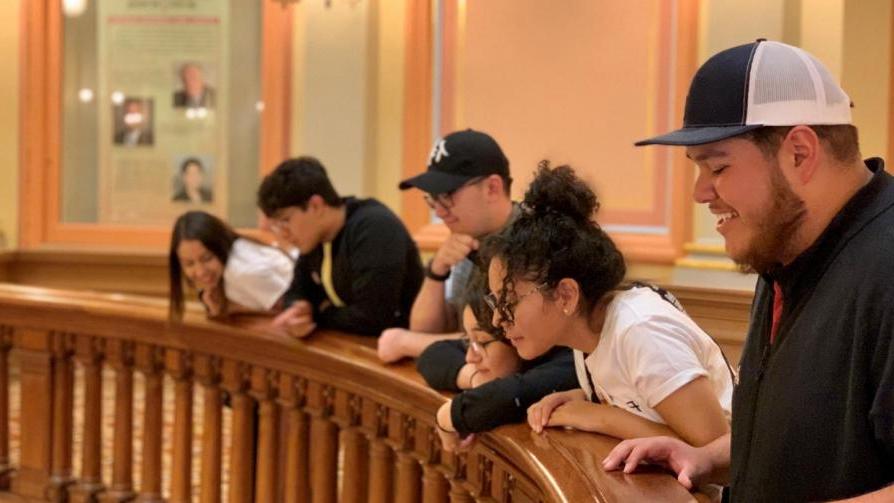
(763, 83)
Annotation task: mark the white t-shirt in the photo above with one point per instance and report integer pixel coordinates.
(647, 350)
(256, 275)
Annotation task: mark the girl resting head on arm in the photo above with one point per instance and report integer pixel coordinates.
(643, 366)
(232, 273)
(496, 385)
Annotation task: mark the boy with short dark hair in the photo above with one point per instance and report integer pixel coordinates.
(359, 269)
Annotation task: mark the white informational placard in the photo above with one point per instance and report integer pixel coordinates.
(162, 123)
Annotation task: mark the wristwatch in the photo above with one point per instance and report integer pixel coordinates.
(432, 275)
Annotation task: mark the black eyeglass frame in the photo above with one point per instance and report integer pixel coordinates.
(445, 199)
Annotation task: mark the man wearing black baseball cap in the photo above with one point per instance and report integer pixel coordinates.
(779, 167)
(467, 186)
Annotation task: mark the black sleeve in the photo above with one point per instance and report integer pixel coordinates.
(301, 280)
(377, 250)
(881, 413)
(506, 400)
(440, 363)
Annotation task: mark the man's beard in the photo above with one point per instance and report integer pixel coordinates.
(777, 229)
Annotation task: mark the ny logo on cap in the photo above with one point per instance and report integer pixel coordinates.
(437, 152)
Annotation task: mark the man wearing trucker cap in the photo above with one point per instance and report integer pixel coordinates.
(779, 167)
(467, 186)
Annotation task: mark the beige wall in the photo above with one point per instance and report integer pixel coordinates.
(577, 85)
(331, 76)
(348, 85)
(866, 71)
(348, 93)
(851, 37)
(9, 122)
(387, 120)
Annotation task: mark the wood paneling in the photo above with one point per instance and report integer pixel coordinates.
(143, 273)
(335, 380)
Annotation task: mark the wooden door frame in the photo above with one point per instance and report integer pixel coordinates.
(41, 120)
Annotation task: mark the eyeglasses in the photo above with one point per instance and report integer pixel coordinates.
(445, 199)
(478, 347)
(506, 306)
(281, 221)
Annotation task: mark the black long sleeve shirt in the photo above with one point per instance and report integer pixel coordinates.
(376, 271)
(501, 401)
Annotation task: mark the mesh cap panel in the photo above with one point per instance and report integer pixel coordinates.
(780, 75)
(789, 87)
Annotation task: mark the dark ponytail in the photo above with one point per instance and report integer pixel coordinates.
(556, 237)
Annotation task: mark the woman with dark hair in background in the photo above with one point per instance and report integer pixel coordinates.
(496, 386)
(232, 273)
(643, 366)
(192, 183)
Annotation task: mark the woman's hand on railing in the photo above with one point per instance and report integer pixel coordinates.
(450, 439)
(540, 412)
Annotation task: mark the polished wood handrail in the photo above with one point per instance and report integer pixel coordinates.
(300, 402)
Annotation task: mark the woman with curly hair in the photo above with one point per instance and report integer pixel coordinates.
(643, 366)
(495, 385)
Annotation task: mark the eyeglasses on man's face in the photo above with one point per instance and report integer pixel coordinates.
(280, 221)
(445, 199)
(506, 307)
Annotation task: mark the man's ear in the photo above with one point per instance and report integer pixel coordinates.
(315, 203)
(802, 150)
(567, 296)
(494, 185)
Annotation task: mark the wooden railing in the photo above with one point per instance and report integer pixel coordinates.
(281, 420)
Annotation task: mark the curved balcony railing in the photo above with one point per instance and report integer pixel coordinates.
(253, 416)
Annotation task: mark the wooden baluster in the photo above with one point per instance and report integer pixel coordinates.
(32, 478)
(458, 493)
(408, 478)
(263, 386)
(120, 356)
(149, 361)
(63, 414)
(292, 392)
(212, 445)
(89, 352)
(434, 485)
(408, 473)
(484, 476)
(356, 458)
(179, 367)
(323, 445)
(380, 457)
(207, 370)
(236, 381)
(5, 466)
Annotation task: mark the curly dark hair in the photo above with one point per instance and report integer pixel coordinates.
(556, 237)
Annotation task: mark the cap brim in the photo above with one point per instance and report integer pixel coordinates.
(435, 182)
(689, 136)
